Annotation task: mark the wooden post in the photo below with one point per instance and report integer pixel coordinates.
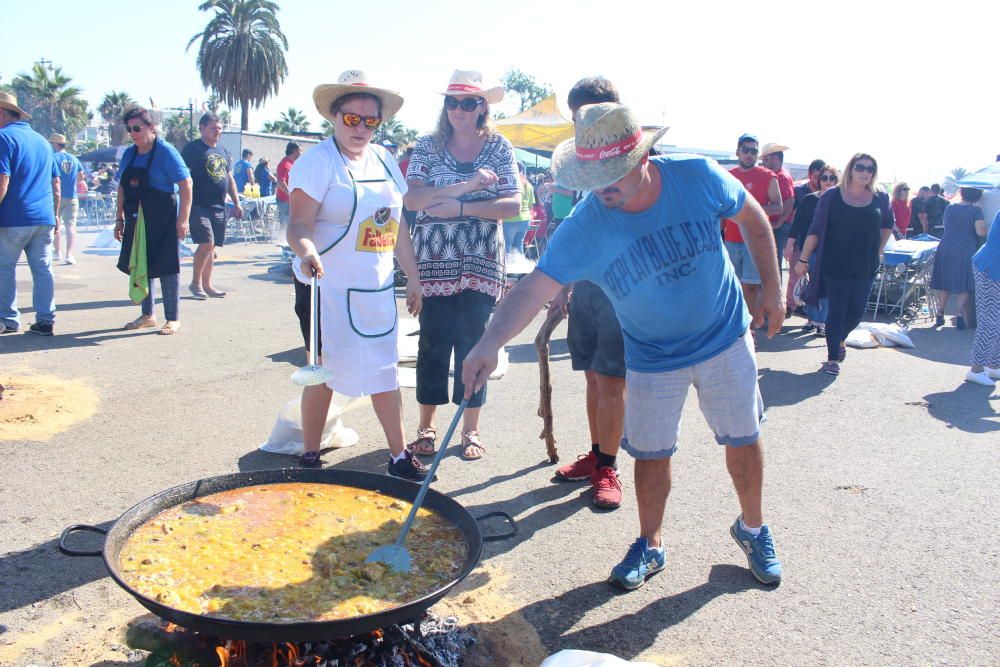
(553, 319)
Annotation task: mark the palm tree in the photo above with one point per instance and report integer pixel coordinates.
(111, 109)
(242, 53)
(274, 127)
(214, 104)
(55, 105)
(177, 130)
(327, 128)
(950, 181)
(394, 131)
(295, 121)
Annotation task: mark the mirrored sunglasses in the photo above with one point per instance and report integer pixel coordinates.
(353, 120)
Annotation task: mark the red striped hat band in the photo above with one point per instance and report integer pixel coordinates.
(607, 151)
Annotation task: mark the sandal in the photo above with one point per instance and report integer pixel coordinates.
(310, 460)
(473, 447)
(842, 354)
(830, 367)
(424, 444)
(170, 328)
(140, 323)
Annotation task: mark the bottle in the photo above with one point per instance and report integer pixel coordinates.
(256, 191)
(247, 190)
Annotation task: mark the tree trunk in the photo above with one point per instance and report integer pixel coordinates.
(245, 115)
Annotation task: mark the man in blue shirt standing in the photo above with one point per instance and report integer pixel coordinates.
(29, 199)
(648, 235)
(243, 171)
(70, 170)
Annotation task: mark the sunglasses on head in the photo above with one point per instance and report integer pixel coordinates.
(133, 128)
(870, 168)
(467, 104)
(746, 150)
(353, 120)
(828, 177)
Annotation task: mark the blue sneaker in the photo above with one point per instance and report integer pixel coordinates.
(764, 564)
(641, 562)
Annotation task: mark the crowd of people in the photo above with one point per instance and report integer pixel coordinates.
(629, 231)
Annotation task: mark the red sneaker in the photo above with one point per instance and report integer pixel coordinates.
(583, 468)
(607, 488)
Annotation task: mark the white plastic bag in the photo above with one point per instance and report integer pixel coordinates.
(888, 334)
(799, 292)
(286, 436)
(574, 658)
(861, 338)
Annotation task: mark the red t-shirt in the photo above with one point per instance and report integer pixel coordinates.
(756, 181)
(901, 209)
(284, 167)
(786, 186)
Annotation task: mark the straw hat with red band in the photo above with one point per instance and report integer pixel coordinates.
(471, 83)
(9, 102)
(354, 81)
(609, 143)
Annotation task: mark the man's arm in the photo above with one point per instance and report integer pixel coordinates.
(760, 242)
(774, 205)
(513, 314)
(56, 194)
(250, 178)
(234, 195)
(4, 182)
(787, 207)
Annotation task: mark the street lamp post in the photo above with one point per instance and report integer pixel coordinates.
(45, 63)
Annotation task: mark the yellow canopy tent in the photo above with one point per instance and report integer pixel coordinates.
(542, 126)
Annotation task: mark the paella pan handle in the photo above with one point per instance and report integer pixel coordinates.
(500, 536)
(66, 551)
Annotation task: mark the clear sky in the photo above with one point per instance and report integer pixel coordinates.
(917, 88)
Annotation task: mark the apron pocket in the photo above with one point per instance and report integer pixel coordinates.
(372, 313)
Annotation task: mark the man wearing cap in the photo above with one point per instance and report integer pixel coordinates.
(647, 234)
(772, 156)
(763, 185)
(29, 199)
(70, 171)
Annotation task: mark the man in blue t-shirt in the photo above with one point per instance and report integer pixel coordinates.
(70, 171)
(243, 171)
(29, 199)
(648, 235)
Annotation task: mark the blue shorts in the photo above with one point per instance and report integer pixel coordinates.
(739, 257)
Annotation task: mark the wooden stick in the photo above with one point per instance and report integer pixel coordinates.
(553, 319)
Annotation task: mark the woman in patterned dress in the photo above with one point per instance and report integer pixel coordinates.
(963, 223)
(985, 363)
(462, 181)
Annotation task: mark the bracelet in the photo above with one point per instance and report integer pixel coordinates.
(804, 261)
(119, 219)
(461, 209)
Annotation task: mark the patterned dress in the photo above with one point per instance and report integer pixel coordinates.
(466, 253)
(953, 261)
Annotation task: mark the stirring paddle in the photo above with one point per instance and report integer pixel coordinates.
(395, 555)
(312, 374)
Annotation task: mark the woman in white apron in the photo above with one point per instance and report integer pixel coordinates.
(346, 225)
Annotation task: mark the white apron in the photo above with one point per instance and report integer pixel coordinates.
(357, 300)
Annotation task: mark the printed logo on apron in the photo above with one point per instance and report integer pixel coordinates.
(378, 232)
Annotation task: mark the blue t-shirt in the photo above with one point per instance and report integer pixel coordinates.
(167, 169)
(26, 158)
(69, 172)
(664, 269)
(987, 258)
(240, 174)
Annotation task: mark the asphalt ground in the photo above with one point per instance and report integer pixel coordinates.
(880, 487)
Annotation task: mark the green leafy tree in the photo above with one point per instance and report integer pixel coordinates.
(394, 131)
(241, 57)
(327, 128)
(292, 121)
(214, 105)
(177, 129)
(950, 183)
(112, 108)
(54, 104)
(530, 92)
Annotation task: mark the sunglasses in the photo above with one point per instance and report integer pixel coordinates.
(828, 177)
(865, 167)
(748, 151)
(133, 128)
(468, 104)
(353, 120)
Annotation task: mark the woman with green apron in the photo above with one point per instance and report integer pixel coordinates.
(346, 225)
(151, 175)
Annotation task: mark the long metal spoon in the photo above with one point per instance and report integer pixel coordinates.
(395, 555)
(312, 374)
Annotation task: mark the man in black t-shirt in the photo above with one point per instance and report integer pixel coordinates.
(918, 212)
(934, 207)
(211, 174)
(812, 184)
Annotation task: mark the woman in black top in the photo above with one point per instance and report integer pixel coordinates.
(804, 213)
(851, 226)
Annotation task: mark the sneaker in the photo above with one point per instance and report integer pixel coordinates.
(640, 563)
(41, 329)
(310, 460)
(820, 331)
(939, 320)
(583, 468)
(809, 327)
(6, 328)
(992, 372)
(197, 293)
(979, 378)
(764, 564)
(408, 468)
(607, 488)
(70, 260)
(959, 322)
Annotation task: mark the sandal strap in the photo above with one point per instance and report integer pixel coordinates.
(471, 439)
(426, 433)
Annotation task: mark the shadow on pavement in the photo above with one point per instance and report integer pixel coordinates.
(272, 277)
(26, 342)
(498, 479)
(41, 572)
(295, 356)
(86, 305)
(630, 634)
(783, 388)
(967, 408)
(947, 346)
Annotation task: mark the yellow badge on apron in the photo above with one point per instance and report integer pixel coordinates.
(378, 232)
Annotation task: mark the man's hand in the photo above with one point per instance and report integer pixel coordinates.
(237, 211)
(789, 249)
(769, 304)
(119, 229)
(414, 297)
(561, 300)
(182, 229)
(477, 366)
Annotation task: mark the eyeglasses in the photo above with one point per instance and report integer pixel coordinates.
(904, 189)
(870, 168)
(468, 104)
(748, 151)
(353, 120)
(828, 177)
(133, 128)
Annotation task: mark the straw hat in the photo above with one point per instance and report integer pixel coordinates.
(772, 148)
(609, 143)
(470, 82)
(57, 138)
(354, 81)
(9, 102)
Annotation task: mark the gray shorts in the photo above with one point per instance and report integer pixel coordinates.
(208, 224)
(69, 209)
(742, 261)
(595, 336)
(727, 395)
